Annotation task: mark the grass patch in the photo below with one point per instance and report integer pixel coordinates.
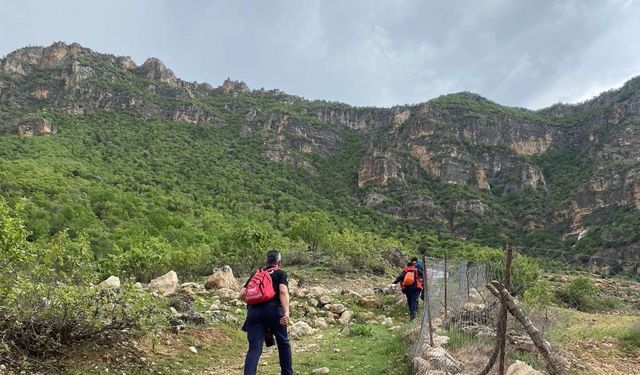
(459, 339)
(381, 353)
(576, 328)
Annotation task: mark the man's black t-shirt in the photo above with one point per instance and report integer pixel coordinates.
(277, 277)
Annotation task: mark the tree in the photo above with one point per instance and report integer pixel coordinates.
(313, 229)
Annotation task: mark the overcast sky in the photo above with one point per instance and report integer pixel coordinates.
(529, 53)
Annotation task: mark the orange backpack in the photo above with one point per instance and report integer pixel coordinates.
(409, 278)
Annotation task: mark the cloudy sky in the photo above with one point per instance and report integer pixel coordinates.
(529, 53)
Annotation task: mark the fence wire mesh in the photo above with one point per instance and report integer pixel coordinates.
(465, 314)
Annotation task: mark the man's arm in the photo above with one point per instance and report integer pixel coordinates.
(399, 278)
(243, 294)
(284, 300)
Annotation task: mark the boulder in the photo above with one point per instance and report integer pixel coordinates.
(190, 288)
(113, 282)
(300, 329)
(227, 293)
(337, 308)
(352, 294)
(222, 278)
(318, 291)
(521, 368)
(320, 323)
(440, 359)
(325, 300)
(345, 317)
(370, 302)
(165, 285)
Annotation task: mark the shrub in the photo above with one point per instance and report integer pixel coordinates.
(539, 294)
(47, 299)
(630, 340)
(582, 294)
(360, 330)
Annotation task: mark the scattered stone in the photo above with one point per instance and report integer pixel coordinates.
(313, 302)
(352, 294)
(165, 285)
(330, 319)
(521, 368)
(174, 311)
(310, 310)
(439, 359)
(325, 299)
(222, 278)
(387, 321)
(113, 282)
(321, 370)
(191, 288)
(300, 329)
(320, 323)
(193, 350)
(345, 317)
(139, 286)
(370, 302)
(318, 291)
(337, 308)
(226, 293)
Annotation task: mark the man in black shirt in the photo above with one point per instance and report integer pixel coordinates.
(272, 315)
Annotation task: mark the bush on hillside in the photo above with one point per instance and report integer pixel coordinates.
(46, 295)
(582, 294)
(630, 340)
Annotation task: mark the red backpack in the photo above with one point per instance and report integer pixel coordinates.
(260, 287)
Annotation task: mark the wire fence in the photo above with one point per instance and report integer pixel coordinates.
(477, 315)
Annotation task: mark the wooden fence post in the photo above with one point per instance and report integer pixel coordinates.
(504, 312)
(500, 291)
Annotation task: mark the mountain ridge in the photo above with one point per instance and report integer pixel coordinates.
(459, 164)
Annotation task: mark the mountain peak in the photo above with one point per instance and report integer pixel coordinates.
(156, 70)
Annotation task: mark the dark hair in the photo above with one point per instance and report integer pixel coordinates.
(410, 264)
(414, 259)
(273, 257)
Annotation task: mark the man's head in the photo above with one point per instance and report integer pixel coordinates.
(414, 259)
(273, 258)
(410, 264)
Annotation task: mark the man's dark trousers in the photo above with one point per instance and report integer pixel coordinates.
(260, 318)
(412, 300)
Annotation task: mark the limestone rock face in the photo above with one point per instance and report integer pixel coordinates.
(222, 278)
(165, 285)
(29, 126)
(155, 69)
(234, 87)
(378, 170)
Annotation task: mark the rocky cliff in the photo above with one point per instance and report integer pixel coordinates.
(459, 163)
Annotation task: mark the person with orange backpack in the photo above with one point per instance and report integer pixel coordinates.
(267, 296)
(411, 284)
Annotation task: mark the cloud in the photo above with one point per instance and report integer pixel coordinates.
(523, 53)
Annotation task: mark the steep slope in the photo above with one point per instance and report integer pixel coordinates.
(459, 164)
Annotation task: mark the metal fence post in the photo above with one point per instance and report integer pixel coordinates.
(445, 286)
